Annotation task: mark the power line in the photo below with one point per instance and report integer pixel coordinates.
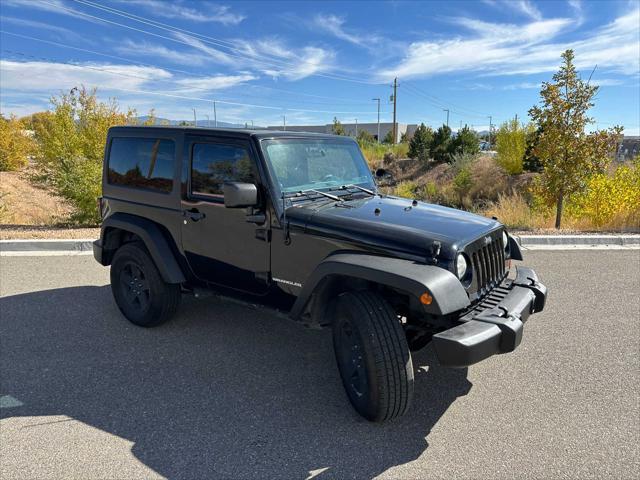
(441, 104)
(138, 63)
(181, 96)
(243, 57)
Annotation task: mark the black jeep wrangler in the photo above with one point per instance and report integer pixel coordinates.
(295, 222)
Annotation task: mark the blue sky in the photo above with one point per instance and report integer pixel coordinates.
(311, 61)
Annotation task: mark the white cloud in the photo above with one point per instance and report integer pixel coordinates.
(146, 49)
(216, 82)
(51, 6)
(52, 77)
(206, 11)
(269, 56)
(527, 8)
(524, 7)
(499, 49)
(60, 31)
(334, 25)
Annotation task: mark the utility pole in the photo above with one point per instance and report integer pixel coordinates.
(378, 100)
(490, 127)
(195, 120)
(395, 99)
(208, 122)
(215, 115)
(517, 119)
(446, 110)
(284, 122)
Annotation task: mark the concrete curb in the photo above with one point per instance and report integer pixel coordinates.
(84, 245)
(54, 245)
(629, 241)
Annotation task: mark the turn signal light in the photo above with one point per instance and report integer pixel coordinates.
(426, 299)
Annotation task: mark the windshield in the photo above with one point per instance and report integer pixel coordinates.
(300, 164)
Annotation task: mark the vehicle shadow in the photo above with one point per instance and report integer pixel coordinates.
(220, 391)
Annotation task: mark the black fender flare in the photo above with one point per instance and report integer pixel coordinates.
(405, 275)
(152, 237)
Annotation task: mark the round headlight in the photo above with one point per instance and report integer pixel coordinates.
(461, 266)
(505, 240)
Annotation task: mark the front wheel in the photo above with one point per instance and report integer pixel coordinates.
(372, 355)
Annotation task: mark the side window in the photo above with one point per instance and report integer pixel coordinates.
(213, 164)
(146, 163)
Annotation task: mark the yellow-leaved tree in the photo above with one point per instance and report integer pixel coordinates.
(568, 154)
(16, 144)
(71, 147)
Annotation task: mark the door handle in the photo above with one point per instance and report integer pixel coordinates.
(194, 214)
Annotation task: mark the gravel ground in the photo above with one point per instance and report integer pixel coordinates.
(224, 391)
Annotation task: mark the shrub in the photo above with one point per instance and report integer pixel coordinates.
(406, 190)
(610, 200)
(337, 128)
(462, 183)
(375, 153)
(364, 138)
(15, 144)
(72, 143)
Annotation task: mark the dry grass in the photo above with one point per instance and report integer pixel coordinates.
(515, 212)
(22, 203)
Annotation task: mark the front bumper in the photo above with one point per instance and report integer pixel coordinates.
(97, 251)
(495, 324)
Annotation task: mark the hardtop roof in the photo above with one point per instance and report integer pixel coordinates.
(256, 133)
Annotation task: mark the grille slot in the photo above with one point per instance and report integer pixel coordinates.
(488, 264)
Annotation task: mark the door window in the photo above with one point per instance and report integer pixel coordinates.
(213, 164)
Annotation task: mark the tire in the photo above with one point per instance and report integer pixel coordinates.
(141, 294)
(372, 355)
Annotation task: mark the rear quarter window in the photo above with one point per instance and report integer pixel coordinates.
(146, 163)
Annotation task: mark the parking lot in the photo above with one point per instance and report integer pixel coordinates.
(225, 391)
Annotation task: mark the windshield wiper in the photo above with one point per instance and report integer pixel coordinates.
(324, 194)
(362, 189)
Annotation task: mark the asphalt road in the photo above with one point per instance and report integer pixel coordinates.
(224, 391)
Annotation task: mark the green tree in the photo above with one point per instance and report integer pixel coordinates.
(531, 162)
(511, 145)
(405, 137)
(568, 154)
(388, 138)
(441, 144)
(465, 142)
(364, 138)
(71, 145)
(420, 143)
(16, 144)
(337, 128)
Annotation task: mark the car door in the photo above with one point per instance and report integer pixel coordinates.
(223, 245)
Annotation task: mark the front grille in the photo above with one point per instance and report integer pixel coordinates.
(488, 302)
(488, 264)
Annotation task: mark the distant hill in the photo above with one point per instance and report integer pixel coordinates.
(201, 122)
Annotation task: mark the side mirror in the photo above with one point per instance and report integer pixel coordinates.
(381, 172)
(237, 195)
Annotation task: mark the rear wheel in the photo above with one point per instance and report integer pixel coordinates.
(138, 288)
(372, 355)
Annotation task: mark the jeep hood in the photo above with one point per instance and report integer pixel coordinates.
(394, 223)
